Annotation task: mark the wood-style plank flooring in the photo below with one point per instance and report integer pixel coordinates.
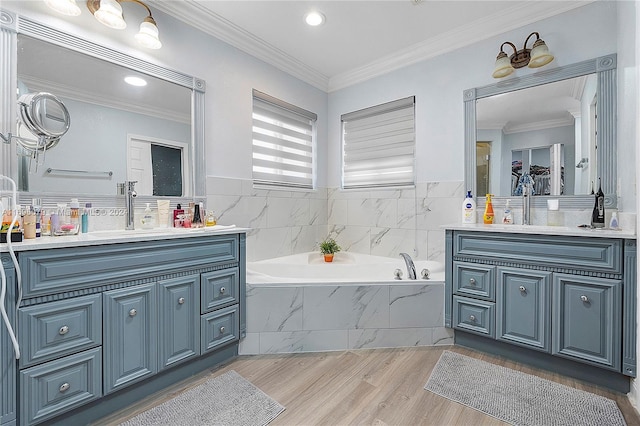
(361, 387)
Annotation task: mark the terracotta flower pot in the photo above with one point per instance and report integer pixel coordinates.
(328, 257)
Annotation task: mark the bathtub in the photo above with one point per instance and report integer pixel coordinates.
(347, 268)
(299, 303)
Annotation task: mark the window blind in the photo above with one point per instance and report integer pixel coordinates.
(283, 139)
(378, 145)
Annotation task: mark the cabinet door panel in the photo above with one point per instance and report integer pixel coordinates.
(587, 324)
(130, 335)
(219, 328)
(219, 289)
(474, 280)
(7, 355)
(523, 307)
(179, 312)
(476, 316)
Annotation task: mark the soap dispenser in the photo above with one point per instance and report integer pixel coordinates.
(147, 221)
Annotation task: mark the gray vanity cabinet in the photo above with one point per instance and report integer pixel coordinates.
(587, 324)
(179, 320)
(559, 302)
(104, 325)
(523, 306)
(7, 356)
(130, 335)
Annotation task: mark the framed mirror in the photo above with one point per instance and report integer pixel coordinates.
(558, 125)
(152, 134)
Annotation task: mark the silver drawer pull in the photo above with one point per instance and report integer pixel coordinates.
(472, 281)
(522, 288)
(472, 318)
(133, 313)
(222, 329)
(222, 290)
(64, 387)
(63, 330)
(181, 301)
(584, 298)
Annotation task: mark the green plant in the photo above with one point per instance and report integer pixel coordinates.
(329, 246)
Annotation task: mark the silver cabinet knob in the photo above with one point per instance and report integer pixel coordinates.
(133, 313)
(222, 329)
(584, 298)
(222, 290)
(472, 318)
(64, 387)
(63, 330)
(522, 288)
(181, 301)
(472, 281)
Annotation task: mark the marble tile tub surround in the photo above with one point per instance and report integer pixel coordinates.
(286, 319)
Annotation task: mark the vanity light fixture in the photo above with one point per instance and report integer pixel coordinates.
(66, 7)
(109, 13)
(535, 57)
(314, 18)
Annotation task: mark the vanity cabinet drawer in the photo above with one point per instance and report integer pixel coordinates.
(66, 269)
(219, 327)
(587, 320)
(219, 288)
(55, 329)
(574, 253)
(475, 316)
(474, 280)
(55, 387)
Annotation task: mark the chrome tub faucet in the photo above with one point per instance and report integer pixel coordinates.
(411, 268)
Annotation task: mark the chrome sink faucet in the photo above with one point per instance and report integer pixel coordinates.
(411, 268)
(128, 190)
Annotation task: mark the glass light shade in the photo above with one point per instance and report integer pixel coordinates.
(503, 66)
(110, 14)
(66, 7)
(540, 55)
(148, 35)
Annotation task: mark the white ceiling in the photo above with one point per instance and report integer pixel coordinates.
(360, 39)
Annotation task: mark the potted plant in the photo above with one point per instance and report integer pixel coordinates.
(328, 247)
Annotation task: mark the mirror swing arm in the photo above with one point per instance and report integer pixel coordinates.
(12, 24)
(606, 154)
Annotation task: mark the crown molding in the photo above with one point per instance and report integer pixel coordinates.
(194, 14)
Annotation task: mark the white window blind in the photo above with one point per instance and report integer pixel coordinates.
(378, 145)
(283, 139)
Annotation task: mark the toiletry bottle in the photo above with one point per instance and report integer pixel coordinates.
(178, 216)
(148, 221)
(507, 217)
(488, 211)
(74, 215)
(469, 209)
(196, 222)
(29, 224)
(84, 219)
(36, 205)
(597, 217)
(613, 223)
(211, 218)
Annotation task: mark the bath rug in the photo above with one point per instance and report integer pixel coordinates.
(228, 399)
(518, 398)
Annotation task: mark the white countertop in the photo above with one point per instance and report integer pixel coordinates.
(542, 230)
(118, 236)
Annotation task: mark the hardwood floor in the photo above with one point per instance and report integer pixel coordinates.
(370, 387)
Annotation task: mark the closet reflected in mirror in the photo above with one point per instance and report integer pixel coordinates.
(547, 131)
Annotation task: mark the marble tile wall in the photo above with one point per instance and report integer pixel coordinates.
(323, 318)
(380, 222)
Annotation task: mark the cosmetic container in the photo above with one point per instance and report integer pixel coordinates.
(554, 215)
(84, 219)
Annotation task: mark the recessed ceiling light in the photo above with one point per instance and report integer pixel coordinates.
(135, 81)
(314, 18)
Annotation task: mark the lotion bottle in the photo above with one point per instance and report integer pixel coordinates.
(469, 209)
(147, 221)
(488, 211)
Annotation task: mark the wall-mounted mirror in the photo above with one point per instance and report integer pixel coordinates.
(151, 133)
(558, 125)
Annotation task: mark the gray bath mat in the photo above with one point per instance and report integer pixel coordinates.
(518, 398)
(226, 400)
